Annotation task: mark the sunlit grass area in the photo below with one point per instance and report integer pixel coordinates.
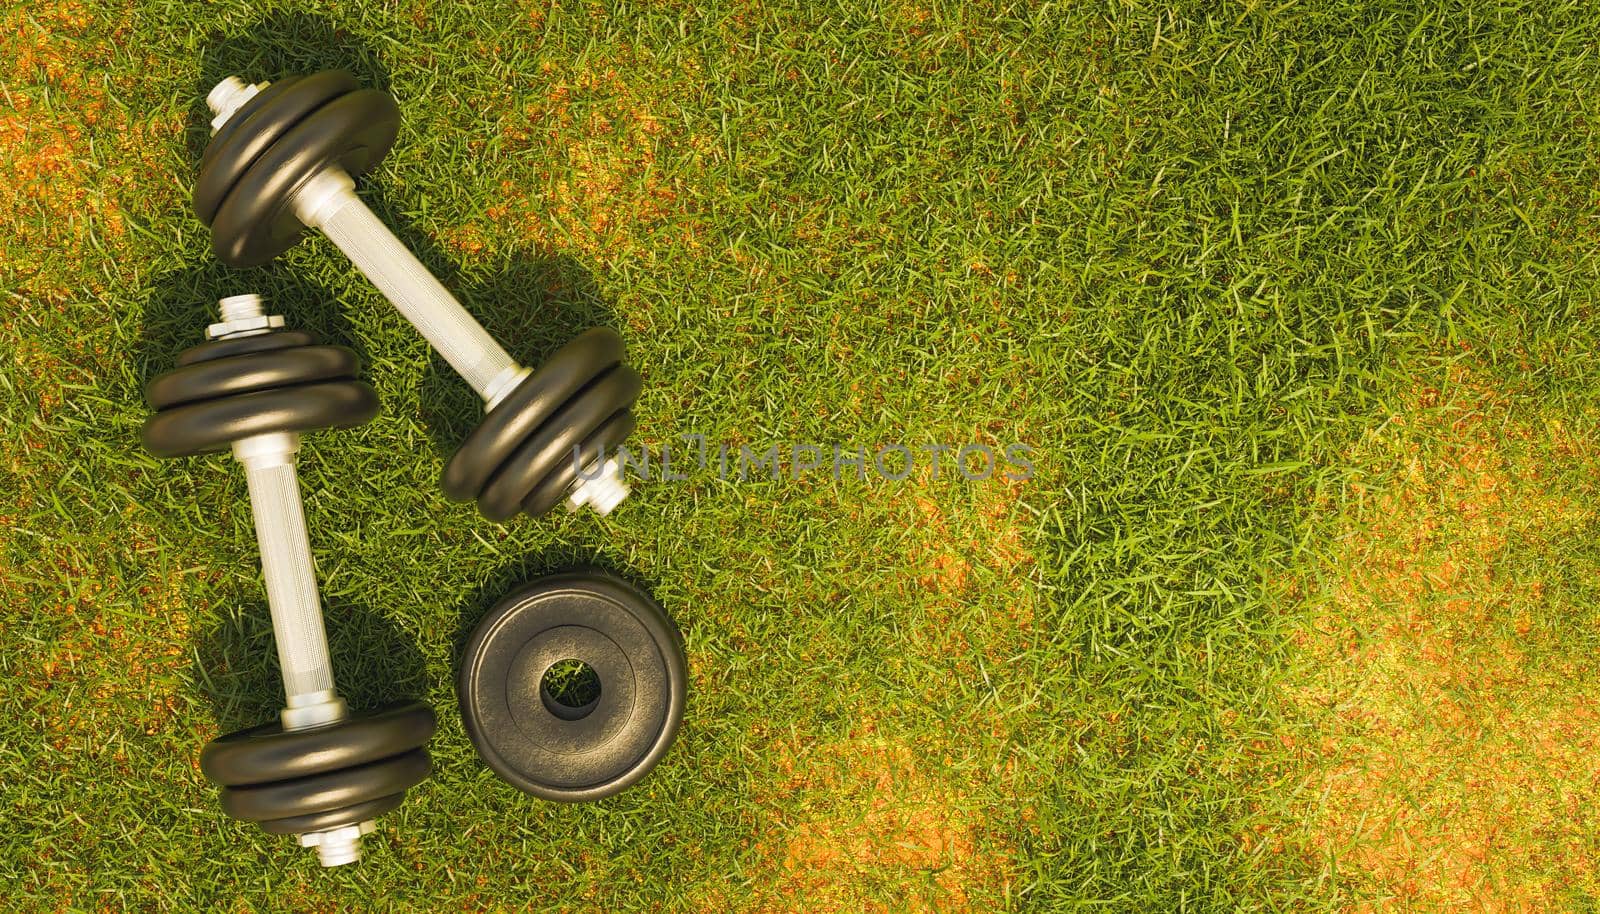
(1292, 307)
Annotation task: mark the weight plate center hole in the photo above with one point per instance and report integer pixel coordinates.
(570, 689)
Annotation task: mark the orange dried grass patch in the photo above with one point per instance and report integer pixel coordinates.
(1445, 768)
(592, 144)
(867, 827)
(68, 153)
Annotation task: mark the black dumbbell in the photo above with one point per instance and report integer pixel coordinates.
(319, 772)
(284, 157)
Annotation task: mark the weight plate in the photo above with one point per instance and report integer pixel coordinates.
(554, 487)
(270, 753)
(223, 135)
(243, 345)
(526, 408)
(211, 425)
(333, 818)
(546, 449)
(326, 792)
(254, 371)
(551, 751)
(256, 221)
(252, 130)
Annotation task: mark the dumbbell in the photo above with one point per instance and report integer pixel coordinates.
(319, 772)
(284, 157)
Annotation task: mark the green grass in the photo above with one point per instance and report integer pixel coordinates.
(1187, 253)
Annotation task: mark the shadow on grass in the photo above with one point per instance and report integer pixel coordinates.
(374, 663)
(530, 304)
(270, 48)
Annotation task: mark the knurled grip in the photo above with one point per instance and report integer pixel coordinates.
(414, 291)
(286, 565)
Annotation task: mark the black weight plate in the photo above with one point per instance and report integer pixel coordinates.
(212, 183)
(521, 413)
(223, 135)
(246, 373)
(255, 127)
(243, 345)
(270, 753)
(547, 448)
(256, 222)
(325, 792)
(333, 818)
(554, 487)
(630, 643)
(211, 425)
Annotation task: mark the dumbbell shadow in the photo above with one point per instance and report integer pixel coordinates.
(532, 304)
(236, 662)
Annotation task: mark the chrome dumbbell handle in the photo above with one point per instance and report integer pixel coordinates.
(287, 568)
(329, 202)
(286, 564)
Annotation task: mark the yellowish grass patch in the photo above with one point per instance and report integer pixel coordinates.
(1449, 745)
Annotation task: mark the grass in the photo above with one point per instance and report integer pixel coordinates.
(1235, 272)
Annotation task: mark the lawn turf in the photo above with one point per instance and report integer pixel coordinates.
(1190, 254)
